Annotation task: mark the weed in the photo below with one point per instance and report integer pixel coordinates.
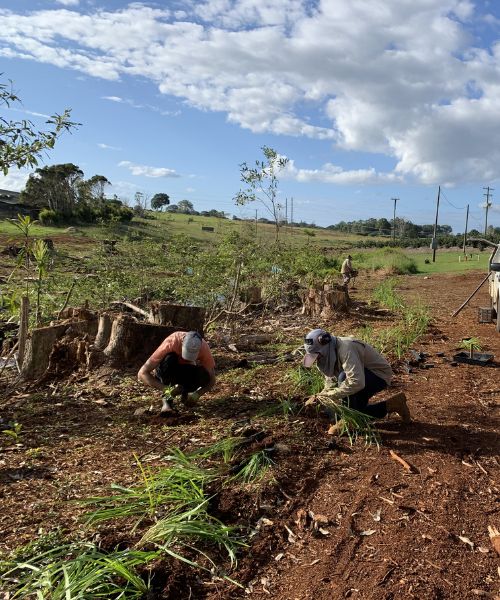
(13, 433)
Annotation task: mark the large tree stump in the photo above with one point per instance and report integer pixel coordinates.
(103, 331)
(325, 301)
(131, 342)
(188, 318)
(41, 342)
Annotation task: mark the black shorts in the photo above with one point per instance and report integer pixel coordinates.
(171, 372)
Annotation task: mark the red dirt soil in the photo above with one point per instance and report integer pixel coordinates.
(343, 522)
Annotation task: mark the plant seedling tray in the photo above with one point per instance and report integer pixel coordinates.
(478, 358)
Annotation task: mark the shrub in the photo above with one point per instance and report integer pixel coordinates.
(48, 216)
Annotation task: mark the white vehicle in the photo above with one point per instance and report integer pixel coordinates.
(494, 284)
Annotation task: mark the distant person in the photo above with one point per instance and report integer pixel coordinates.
(347, 271)
(182, 360)
(361, 372)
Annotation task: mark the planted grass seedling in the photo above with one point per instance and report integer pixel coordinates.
(354, 424)
(254, 468)
(471, 344)
(76, 570)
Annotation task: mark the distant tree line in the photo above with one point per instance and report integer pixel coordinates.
(64, 196)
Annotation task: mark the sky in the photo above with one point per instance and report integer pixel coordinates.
(369, 100)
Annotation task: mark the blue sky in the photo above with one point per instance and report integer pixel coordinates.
(368, 99)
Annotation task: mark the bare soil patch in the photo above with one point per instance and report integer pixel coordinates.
(341, 521)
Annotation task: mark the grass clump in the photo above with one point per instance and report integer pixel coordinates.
(392, 261)
(354, 424)
(254, 468)
(306, 382)
(385, 293)
(76, 570)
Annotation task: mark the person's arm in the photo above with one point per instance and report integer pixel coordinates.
(354, 382)
(145, 375)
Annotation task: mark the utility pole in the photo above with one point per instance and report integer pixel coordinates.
(291, 215)
(286, 213)
(256, 222)
(395, 200)
(434, 239)
(466, 225)
(488, 204)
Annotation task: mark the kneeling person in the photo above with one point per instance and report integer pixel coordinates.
(182, 360)
(360, 370)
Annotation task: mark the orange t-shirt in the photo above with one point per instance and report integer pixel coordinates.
(173, 343)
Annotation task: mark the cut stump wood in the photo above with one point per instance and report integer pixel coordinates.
(187, 318)
(103, 331)
(132, 342)
(41, 343)
(325, 301)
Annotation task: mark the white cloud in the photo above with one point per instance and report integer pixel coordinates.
(15, 180)
(145, 171)
(68, 2)
(395, 77)
(330, 173)
(107, 147)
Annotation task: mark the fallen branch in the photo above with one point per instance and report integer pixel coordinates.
(402, 461)
(134, 308)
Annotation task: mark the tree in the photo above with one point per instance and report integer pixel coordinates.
(186, 207)
(91, 191)
(21, 145)
(55, 187)
(262, 182)
(158, 201)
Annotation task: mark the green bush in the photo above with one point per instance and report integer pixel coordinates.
(48, 216)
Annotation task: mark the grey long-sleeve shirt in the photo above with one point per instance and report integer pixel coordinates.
(353, 357)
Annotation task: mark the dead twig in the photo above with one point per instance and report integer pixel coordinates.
(402, 461)
(169, 437)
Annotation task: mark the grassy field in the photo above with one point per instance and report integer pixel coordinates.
(165, 225)
(450, 261)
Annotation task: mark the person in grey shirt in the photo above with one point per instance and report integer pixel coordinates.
(360, 370)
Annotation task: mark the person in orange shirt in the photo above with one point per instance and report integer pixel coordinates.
(182, 360)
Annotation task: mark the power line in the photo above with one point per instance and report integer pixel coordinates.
(443, 195)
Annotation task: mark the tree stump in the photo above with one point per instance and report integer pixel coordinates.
(41, 343)
(251, 295)
(131, 343)
(325, 301)
(188, 318)
(103, 331)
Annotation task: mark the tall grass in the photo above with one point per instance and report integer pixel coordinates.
(391, 260)
(385, 293)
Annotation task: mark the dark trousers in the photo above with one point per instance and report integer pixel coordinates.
(359, 400)
(171, 372)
